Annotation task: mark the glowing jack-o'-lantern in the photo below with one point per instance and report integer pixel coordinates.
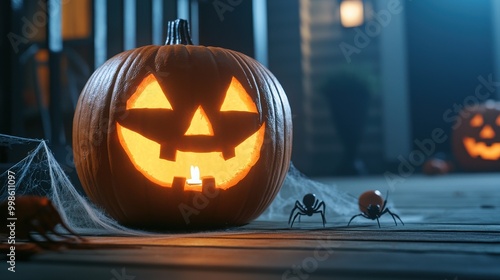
(211, 147)
(182, 135)
(476, 142)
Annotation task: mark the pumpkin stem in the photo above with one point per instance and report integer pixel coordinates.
(178, 33)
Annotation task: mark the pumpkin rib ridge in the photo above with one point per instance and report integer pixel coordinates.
(81, 166)
(276, 159)
(108, 72)
(281, 158)
(280, 163)
(243, 214)
(253, 70)
(148, 54)
(134, 57)
(271, 109)
(211, 213)
(88, 170)
(90, 98)
(118, 209)
(288, 131)
(216, 212)
(219, 211)
(276, 163)
(110, 114)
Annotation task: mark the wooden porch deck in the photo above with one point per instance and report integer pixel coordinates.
(451, 231)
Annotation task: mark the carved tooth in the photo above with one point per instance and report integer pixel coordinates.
(178, 184)
(209, 188)
(168, 152)
(228, 153)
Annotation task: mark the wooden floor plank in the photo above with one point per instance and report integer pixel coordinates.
(318, 263)
(451, 231)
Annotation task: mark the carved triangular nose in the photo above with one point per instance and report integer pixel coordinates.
(200, 125)
(487, 132)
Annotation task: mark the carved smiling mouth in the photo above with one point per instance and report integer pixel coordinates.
(144, 154)
(481, 149)
(163, 143)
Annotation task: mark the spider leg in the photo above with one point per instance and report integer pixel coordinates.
(293, 210)
(296, 214)
(300, 206)
(385, 201)
(48, 244)
(315, 205)
(65, 238)
(46, 241)
(386, 211)
(291, 214)
(378, 223)
(322, 216)
(46, 220)
(322, 204)
(297, 206)
(76, 236)
(41, 232)
(302, 209)
(394, 215)
(354, 217)
(40, 243)
(56, 218)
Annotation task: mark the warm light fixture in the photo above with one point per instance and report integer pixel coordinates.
(351, 13)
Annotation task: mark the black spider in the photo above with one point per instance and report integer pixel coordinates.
(309, 206)
(373, 210)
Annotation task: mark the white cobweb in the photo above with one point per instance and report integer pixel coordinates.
(296, 185)
(40, 174)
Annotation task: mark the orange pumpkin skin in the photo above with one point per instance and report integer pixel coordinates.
(476, 142)
(191, 76)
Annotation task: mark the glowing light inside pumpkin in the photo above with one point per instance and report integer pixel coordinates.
(477, 121)
(195, 176)
(149, 95)
(144, 153)
(480, 149)
(237, 99)
(487, 132)
(200, 124)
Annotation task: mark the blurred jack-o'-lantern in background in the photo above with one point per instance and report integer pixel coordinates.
(476, 142)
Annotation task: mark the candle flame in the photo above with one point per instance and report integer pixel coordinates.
(195, 176)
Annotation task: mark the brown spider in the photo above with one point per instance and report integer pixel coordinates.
(370, 203)
(35, 214)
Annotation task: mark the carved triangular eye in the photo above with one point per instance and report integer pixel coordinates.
(237, 99)
(149, 95)
(477, 121)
